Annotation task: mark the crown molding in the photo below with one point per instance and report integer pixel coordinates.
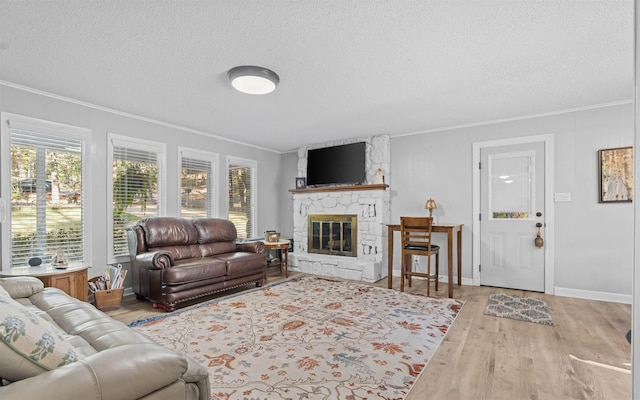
(530, 116)
(129, 115)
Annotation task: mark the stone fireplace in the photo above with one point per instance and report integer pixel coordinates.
(367, 207)
(333, 234)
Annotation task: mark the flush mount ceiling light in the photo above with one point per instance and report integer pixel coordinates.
(253, 80)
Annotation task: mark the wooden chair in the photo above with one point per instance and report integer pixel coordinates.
(416, 241)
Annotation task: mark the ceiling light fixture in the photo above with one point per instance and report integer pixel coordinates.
(251, 79)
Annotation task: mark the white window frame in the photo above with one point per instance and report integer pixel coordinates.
(117, 140)
(213, 158)
(253, 164)
(16, 121)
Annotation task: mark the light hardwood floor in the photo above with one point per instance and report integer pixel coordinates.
(584, 356)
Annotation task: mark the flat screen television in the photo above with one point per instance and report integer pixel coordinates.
(336, 165)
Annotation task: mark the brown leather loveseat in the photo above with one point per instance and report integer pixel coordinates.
(175, 259)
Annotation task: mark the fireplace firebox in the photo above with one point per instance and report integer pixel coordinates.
(333, 234)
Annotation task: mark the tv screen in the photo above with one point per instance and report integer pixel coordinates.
(336, 165)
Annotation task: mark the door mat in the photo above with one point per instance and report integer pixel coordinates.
(528, 309)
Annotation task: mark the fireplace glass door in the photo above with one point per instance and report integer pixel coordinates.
(333, 234)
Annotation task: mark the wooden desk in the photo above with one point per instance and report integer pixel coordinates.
(283, 246)
(72, 280)
(449, 229)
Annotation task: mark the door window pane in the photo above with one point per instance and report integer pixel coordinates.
(510, 185)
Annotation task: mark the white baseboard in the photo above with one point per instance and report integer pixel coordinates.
(560, 291)
(592, 295)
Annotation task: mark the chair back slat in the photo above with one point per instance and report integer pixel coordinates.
(416, 241)
(416, 231)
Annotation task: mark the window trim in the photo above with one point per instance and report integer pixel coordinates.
(213, 158)
(22, 122)
(253, 164)
(118, 140)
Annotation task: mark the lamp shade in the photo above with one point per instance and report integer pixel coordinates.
(252, 79)
(431, 205)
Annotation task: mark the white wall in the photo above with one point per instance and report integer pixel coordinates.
(101, 122)
(593, 242)
(288, 176)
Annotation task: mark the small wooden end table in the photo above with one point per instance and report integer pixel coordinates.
(283, 246)
(72, 279)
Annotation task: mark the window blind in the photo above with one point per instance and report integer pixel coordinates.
(135, 191)
(197, 191)
(242, 198)
(47, 214)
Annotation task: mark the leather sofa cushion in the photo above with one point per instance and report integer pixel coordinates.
(84, 320)
(180, 289)
(241, 263)
(194, 270)
(211, 249)
(169, 231)
(215, 230)
(180, 252)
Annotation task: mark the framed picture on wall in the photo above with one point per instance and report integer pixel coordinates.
(615, 170)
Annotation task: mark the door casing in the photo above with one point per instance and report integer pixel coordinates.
(549, 268)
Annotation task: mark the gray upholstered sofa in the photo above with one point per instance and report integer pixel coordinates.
(53, 346)
(175, 259)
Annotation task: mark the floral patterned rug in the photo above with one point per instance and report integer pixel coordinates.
(309, 338)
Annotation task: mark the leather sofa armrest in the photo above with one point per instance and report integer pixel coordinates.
(199, 375)
(22, 286)
(251, 247)
(160, 259)
(121, 373)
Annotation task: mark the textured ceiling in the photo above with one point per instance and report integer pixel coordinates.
(347, 68)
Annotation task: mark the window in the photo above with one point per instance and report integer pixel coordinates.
(136, 185)
(242, 195)
(198, 183)
(44, 170)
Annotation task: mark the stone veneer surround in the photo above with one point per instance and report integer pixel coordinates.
(372, 208)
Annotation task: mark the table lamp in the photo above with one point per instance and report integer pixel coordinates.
(431, 205)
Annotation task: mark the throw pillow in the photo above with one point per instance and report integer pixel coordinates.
(29, 345)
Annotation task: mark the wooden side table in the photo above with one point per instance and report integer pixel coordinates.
(72, 280)
(283, 246)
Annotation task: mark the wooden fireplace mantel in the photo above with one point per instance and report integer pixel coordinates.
(344, 188)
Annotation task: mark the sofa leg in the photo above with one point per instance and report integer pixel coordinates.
(259, 283)
(171, 307)
(139, 297)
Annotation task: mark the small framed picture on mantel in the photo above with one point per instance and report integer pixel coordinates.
(301, 182)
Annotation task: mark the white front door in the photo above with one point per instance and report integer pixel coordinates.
(511, 206)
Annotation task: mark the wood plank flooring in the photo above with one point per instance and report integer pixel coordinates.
(584, 356)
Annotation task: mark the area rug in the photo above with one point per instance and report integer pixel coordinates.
(309, 338)
(528, 309)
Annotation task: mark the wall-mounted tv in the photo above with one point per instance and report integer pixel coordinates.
(337, 165)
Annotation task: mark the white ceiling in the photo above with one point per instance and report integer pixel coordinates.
(347, 68)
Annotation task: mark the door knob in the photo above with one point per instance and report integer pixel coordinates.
(539, 241)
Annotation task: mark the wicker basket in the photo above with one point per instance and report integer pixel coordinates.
(107, 298)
